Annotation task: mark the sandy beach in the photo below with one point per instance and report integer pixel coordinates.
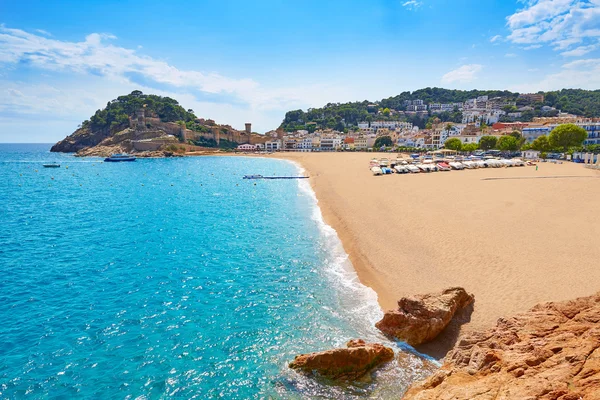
(528, 237)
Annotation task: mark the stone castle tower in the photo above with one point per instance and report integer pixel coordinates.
(140, 116)
(248, 128)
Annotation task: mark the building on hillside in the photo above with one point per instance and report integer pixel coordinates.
(532, 97)
(416, 108)
(439, 107)
(481, 102)
(368, 131)
(516, 126)
(383, 132)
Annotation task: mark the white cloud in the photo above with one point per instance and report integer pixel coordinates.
(412, 4)
(43, 32)
(579, 51)
(464, 74)
(96, 55)
(94, 71)
(558, 23)
(496, 38)
(584, 74)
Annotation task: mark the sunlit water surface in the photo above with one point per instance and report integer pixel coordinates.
(172, 277)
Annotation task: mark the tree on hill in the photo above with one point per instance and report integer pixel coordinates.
(508, 143)
(117, 112)
(383, 141)
(448, 127)
(453, 144)
(488, 142)
(567, 135)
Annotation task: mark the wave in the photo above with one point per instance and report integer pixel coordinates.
(357, 300)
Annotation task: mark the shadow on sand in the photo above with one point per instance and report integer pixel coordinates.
(441, 345)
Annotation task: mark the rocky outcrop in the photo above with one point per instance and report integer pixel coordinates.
(80, 139)
(419, 319)
(551, 352)
(344, 364)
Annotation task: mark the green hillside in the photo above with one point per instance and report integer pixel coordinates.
(342, 116)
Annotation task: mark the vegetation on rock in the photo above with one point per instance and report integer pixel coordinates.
(118, 111)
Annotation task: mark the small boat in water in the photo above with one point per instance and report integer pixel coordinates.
(51, 165)
(120, 158)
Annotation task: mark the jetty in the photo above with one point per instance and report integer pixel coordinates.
(274, 177)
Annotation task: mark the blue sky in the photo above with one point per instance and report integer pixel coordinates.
(240, 61)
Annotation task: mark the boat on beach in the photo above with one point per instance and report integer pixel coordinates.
(413, 169)
(401, 169)
(442, 166)
(376, 171)
(120, 158)
(456, 165)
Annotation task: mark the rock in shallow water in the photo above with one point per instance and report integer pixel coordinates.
(550, 352)
(348, 364)
(419, 319)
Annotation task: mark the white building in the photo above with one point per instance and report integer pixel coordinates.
(441, 107)
(273, 145)
(247, 147)
(330, 143)
(390, 124)
(415, 107)
(305, 144)
(531, 154)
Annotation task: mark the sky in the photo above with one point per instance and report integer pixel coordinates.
(251, 61)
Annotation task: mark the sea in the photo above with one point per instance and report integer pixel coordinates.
(174, 278)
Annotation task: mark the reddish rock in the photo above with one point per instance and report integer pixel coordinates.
(551, 352)
(421, 318)
(348, 364)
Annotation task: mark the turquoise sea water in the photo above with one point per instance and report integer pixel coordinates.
(171, 278)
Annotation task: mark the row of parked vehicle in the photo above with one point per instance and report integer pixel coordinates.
(403, 166)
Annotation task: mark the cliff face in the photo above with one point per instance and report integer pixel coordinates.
(549, 352)
(87, 141)
(81, 139)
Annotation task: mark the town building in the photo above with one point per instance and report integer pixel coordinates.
(532, 97)
(330, 143)
(273, 145)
